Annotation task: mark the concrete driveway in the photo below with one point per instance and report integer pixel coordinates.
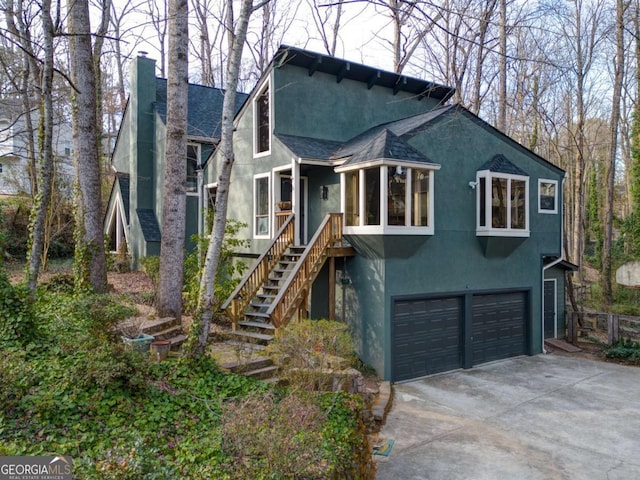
(543, 417)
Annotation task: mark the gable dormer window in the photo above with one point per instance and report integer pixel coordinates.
(262, 120)
(502, 199)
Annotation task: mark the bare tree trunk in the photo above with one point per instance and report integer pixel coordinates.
(502, 65)
(90, 262)
(618, 66)
(43, 197)
(206, 300)
(175, 176)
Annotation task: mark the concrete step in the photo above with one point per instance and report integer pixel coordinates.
(256, 347)
(177, 341)
(262, 373)
(251, 337)
(151, 327)
(251, 364)
(168, 333)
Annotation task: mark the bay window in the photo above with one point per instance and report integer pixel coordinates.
(389, 199)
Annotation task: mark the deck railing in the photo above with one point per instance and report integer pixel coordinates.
(256, 276)
(297, 285)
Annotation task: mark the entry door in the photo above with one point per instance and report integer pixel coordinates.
(550, 308)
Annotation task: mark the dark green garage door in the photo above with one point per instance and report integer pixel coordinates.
(498, 326)
(426, 337)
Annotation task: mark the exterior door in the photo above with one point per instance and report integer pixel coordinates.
(550, 308)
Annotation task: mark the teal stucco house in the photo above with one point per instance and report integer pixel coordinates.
(371, 199)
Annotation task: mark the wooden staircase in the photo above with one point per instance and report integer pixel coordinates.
(276, 289)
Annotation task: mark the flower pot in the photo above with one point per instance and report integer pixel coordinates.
(160, 349)
(140, 343)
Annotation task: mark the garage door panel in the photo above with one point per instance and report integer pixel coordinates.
(498, 326)
(426, 337)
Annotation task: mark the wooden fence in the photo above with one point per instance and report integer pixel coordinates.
(614, 327)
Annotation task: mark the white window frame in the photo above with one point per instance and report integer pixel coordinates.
(555, 200)
(487, 230)
(384, 228)
(266, 85)
(269, 213)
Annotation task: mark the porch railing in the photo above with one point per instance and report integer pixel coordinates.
(256, 276)
(297, 285)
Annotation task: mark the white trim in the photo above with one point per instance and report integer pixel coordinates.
(117, 214)
(265, 85)
(555, 200)
(390, 162)
(193, 193)
(555, 306)
(488, 230)
(269, 214)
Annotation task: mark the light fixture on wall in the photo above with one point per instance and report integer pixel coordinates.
(324, 192)
(473, 184)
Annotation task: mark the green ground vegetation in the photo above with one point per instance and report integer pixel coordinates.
(69, 386)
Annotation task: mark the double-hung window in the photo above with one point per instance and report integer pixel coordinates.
(547, 196)
(261, 206)
(389, 199)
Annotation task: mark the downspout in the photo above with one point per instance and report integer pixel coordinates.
(555, 262)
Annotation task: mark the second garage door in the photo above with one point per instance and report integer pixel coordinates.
(498, 326)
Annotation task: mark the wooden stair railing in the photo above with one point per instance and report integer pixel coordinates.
(256, 277)
(299, 281)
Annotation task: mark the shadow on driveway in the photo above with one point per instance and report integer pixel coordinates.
(543, 417)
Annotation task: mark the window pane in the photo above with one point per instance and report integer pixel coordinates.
(262, 121)
(396, 196)
(547, 196)
(372, 196)
(483, 201)
(262, 206)
(420, 192)
(351, 198)
(518, 204)
(499, 203)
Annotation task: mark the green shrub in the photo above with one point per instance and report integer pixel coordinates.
(625, 349)
(17, 320)
(230, 270)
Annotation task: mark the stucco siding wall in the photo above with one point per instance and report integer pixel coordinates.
(319, 107)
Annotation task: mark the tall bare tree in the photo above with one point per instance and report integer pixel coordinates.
(43, 197)
(90, 261)
(327, 20)
(175, 175)
(206, 299)
(622, 6)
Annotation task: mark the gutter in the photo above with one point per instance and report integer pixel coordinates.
(554, 263)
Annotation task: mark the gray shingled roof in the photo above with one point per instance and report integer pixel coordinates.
(305, 147)
(500, 164)
(123, 183)
(404, 127)
(389, 146)
(149, 224)
(204, 108)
